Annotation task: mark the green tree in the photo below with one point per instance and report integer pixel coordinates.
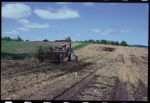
(6, 38)
(98, 41)
(116, 43)
(113, 43)
(109, 42)
(85, 41)
(123, 43)
(103, 41)
(91, 41)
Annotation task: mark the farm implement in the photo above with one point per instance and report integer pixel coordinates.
(58, 54)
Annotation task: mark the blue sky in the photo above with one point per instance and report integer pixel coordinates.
(36, 21)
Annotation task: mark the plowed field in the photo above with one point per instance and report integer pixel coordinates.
(103, 72)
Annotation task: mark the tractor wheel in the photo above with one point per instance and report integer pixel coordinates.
(60, 58)
(70, 57)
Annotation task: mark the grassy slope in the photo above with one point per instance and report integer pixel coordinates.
(22, 47)
(80, 46)
(20, 50)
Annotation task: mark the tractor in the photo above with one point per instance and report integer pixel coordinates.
(58, 54)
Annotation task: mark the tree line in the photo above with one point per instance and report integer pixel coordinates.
(122, 43)
(11, 39)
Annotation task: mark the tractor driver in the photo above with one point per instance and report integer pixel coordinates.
(63, 46)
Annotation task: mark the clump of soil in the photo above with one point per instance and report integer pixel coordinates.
(108, 49)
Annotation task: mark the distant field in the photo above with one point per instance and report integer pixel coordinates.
(23, 47)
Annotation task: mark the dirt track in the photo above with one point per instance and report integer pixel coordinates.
(103, 72)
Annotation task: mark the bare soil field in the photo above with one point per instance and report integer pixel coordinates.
(103, 72)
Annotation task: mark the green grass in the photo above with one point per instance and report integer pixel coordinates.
(12, 50)
(80, 46)
(22, 47)
(13, 56)
(16, 47)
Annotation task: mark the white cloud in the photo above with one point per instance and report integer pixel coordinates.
(12, 31)
(109, 31)
(95, 30)
(15, 11)
(23, 29)
(29, 24)
(64, 13)
(24, 21)
(124, 30)
(88, 4)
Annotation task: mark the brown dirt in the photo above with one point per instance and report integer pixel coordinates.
(108, 49)
(121, 88)
(120, 58)
(133, 59)
(101, 74)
